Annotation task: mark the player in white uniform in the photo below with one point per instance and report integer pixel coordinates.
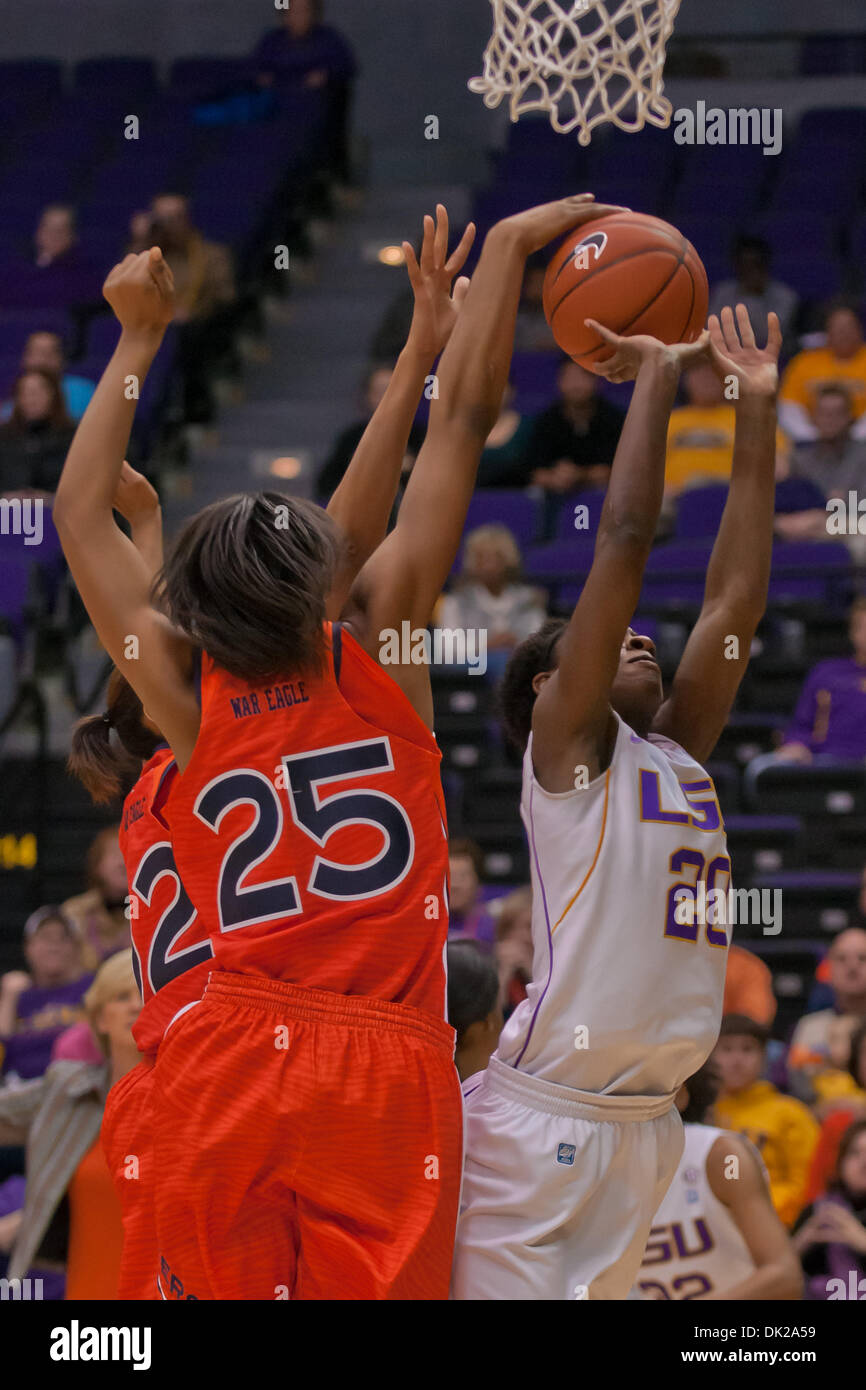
(572, 1136)
(716, 1234)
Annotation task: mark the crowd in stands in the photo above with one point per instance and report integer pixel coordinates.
(67, 1010)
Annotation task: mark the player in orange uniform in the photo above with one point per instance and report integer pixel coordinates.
(307, 1111)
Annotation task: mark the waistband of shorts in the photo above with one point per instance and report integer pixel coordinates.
(321, 1006)
(553, 1099)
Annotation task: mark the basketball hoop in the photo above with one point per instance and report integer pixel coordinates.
(583, 61)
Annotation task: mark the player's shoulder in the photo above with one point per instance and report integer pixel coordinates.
(733, 1158)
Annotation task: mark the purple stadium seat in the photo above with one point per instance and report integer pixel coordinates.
(565, 527)
(16, 573)
(699, 511)
(815, 276)
(533, 376)
(38, 79)
(133, 76)
(818, 570)
(797, 495)
(825, 54)
(826, 127)
(560, 559)
(510, 507)
(203, 76)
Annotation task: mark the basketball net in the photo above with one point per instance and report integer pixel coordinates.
(583, 61)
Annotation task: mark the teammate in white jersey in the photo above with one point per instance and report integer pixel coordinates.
(572, 1136)
(716, 1234)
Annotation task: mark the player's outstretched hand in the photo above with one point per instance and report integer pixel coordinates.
(438, 298)
(140, 290)
(734, 353)
(537, 226)
(134, 497)
(630, 354)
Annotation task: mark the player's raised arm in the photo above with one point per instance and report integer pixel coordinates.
(405, 576)
(138, 502)
(362, 503)
(113, 578)
(717, 652)
(572, 723)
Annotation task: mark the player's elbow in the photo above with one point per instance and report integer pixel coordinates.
(789, 1282)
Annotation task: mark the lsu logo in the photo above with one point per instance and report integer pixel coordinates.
(565, 1154)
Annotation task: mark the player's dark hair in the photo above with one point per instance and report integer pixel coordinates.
(516, 695)
(741, 1026)
(248, 579)
(748, 242)
(473, 986)
(858, 1072)
(106, 767)
(849, 1138)
(703, 1089)
(467, 849)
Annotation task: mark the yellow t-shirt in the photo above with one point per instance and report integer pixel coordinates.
(783, 1131)
(701, 444)
(809, 371)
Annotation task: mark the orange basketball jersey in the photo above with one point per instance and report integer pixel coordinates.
(171, 952)
(309, 827)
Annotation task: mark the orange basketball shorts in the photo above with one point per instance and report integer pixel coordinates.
(127, 1142)
(307, 1145)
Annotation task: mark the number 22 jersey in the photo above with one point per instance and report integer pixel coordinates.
(309, 829)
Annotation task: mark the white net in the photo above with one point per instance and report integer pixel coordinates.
(583, 61)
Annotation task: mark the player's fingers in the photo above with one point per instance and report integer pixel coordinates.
(461, 289)
(457, 259)
(729, 329)
(440, 240)
(774, 334)
(412, 267)
(603, 332)
(744, 324)
(427, 245)
(697, 348)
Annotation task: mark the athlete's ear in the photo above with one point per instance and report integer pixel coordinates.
(539, 680)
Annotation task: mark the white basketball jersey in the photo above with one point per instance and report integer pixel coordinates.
(626, 995)
(694, 1246)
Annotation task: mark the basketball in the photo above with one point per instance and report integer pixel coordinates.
(631, 272)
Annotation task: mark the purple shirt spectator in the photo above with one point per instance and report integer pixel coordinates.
(830, 717)
(476, 925)
(42, 1015)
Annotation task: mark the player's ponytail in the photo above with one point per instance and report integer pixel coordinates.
(106, 767)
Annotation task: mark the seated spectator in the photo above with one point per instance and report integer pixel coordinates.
(206, 296)
(748, 987)
(305, 52)
(505, 444)
(830, 1234)
(468, 917)
(489, 598)
(781, 1128)
(514, 948)
(100, 912)
(55, 241)
(573, 442)
(532, 331)
(810, 1051)
(59, 1117)
(753, 286)
(829, 721)
(700, 447)
(841, 363)
(35, 440)
(473, 1010)
(835, 463)
(374, 387)
(837, 1114)
(44, 351)
(36, 1007)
